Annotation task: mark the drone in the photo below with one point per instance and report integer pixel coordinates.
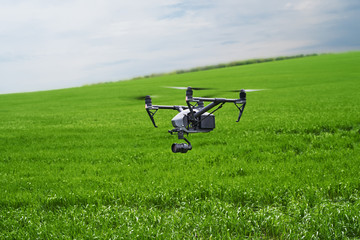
(194, 117)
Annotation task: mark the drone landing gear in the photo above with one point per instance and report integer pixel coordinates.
(241, 109)
(180, 147)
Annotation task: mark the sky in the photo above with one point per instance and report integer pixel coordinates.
(49, 44)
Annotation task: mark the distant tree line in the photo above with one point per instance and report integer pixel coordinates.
(230, 64)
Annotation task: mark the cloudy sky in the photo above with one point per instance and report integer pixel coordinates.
(57, 44)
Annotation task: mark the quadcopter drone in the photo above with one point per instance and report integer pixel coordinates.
(194, 118)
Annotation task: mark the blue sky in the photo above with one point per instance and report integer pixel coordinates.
(57, 44)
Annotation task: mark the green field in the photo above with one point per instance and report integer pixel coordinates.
(87, 163)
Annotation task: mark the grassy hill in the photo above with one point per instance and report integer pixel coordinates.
(86, 162)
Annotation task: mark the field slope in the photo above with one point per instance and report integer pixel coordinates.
(87, 163)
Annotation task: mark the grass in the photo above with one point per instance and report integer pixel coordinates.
(87, 162)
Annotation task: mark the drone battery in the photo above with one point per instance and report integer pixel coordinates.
(207, 121)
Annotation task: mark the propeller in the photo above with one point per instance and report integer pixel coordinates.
(246, 90)
(198, 88)
(194, 88)
(142, 97)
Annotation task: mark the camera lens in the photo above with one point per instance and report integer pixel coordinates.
(180, 147)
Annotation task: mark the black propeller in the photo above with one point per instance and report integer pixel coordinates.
(139, 98)
(142, 97)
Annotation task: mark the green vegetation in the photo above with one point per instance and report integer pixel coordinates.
(87, 162)
(230, 64)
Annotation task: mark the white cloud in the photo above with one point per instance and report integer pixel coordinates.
(56, 44)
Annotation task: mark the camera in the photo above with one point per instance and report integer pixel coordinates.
(180, 147)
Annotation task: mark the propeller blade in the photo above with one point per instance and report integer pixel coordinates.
(246, 90)
(139, 97)
(254, 90)
(199, 88)
(142, 97)
(180, 88)
(194, 88)
(202, 88)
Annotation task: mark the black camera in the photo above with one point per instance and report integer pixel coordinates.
(180, 147)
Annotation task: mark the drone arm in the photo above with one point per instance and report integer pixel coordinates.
(178, 108)
(152, 109)
(208, 107)
(215, 101)
(218, 100)
(155, 108)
